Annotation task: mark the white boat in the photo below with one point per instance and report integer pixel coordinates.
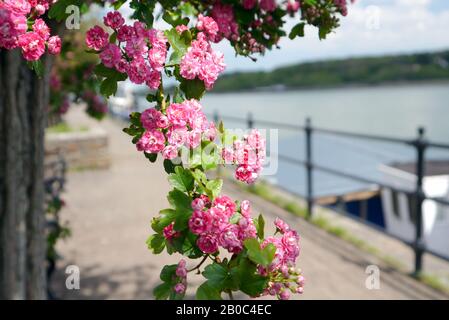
(399, 210)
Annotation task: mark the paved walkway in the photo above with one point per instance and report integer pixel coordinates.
(110, 212)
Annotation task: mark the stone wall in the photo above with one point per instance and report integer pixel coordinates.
(81, 150)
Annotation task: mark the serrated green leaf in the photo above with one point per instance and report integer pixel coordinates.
(260, 226)
(193, 89)
(182, 204)
(214, 187)
(209, 155)
(156, 243)
(168, 273)
(108, 87)
(220, 278)
(162, 291)
(207, 292)
(179, 45)
(258, 255)
(182, 179)
(250, 282)
(166, 217)
(235, 218)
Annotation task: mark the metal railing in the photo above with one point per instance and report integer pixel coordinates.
(420, 144)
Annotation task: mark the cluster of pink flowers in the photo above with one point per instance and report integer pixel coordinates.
(270, 5)
(15, 32)
(248, 154)
(184, 124)
(201, 60)
(140, 52)
(284, 278)
(343, 6)
(293, 6)
(181, 274)
(211, 221)
(223, 15)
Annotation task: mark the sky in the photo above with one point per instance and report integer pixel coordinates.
(372, 27)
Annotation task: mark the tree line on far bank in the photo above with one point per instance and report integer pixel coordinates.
(346, 72)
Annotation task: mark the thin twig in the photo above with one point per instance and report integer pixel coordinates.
(199, 265)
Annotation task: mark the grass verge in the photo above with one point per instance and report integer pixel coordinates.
(63, 127)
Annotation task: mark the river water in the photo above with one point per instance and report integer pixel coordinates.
(395, 111)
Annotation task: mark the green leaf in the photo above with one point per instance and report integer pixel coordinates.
(221, 128)
(118, 3)
(209, 155)
(182, 204)
(235, 218)
(260, 226)
(214, 186)
(220, 278)
(166, 217)
(250, 282)
(199, 176)
(194, 157)
(190, 248)
(174, 18)
(151, 97)
(162, 291)
(182, 179)
(177, 96)
(156, 243)
(207, 292)
(193, 89)
(168, 273)
(151, 156)
(37, 66)
(108, 86)
(179, 200)
(179, 45)
(143, 11)
(297, 31)
(169, 166)
(260, 256)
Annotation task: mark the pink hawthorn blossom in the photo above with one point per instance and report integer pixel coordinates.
(96, 38)
(152, 141)
(114, 20)
(208, 25)
(33, 46)
(41, 28)
(111, 55)
(249, 4)
(54, 45)
(207, 243)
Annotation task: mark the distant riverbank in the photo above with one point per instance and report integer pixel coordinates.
(354, 72)
(391, 84)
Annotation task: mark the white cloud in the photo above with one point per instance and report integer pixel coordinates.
(402, 26)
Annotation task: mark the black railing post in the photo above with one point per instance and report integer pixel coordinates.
(420, 146)
(250, 121)
(309, 168)
(216, 117)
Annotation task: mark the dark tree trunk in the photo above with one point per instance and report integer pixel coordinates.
(23, 105)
